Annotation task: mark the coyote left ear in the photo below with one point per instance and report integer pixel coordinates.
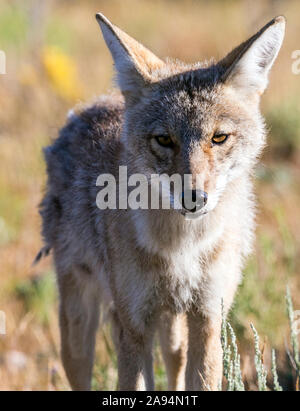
(134, 63)
(247, 67)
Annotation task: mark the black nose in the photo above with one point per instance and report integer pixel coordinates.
(193, 200)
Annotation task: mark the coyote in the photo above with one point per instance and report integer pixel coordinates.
(155, 270)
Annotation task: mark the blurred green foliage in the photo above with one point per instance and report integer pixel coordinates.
(284, 122)
(38, 295)
(13, 25)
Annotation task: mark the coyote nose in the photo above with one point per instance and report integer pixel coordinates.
(193, 200)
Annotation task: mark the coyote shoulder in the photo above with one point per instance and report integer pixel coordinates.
(157, 270)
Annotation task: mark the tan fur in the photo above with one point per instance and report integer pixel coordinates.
(155, 270)
(173, 339)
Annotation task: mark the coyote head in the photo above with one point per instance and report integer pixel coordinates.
(201, 119)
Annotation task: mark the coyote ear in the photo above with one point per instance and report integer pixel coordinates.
(134, 63)
(247, 67)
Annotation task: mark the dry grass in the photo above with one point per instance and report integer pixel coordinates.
(55, 58)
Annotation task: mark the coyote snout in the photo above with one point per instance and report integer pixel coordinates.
(152, 269)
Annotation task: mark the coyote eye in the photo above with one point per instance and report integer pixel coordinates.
(165, 141)
(219, 138)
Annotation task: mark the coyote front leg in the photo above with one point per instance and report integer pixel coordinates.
(173, 341)
(135, 363)
(79, 316)
(204, 366)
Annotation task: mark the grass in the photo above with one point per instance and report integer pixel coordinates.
(13, 25)
(231, 358)
(284, 122)
(38, 295)
(35, 98)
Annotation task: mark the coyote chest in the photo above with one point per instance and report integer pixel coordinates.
(182, 282)
(185, 265)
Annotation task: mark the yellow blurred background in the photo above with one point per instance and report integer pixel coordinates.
(56, 58)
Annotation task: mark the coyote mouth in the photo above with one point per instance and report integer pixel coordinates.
(190, 215)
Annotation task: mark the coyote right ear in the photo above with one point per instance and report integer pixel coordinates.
(247, 67)
(134, 63)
